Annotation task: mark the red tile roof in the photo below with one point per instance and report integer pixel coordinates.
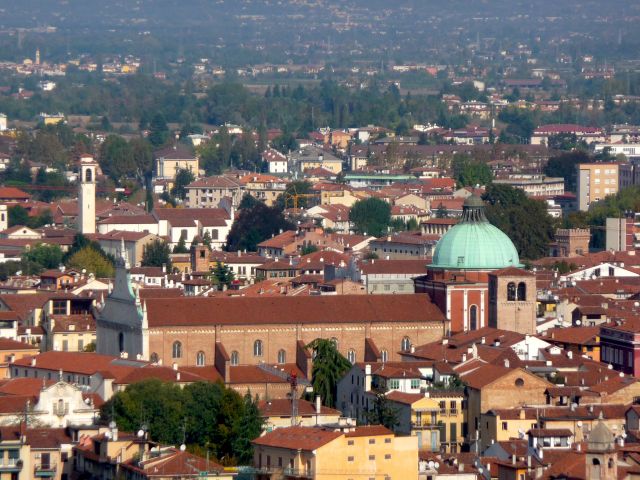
(298, 438)
(320, 309)
(282, 408)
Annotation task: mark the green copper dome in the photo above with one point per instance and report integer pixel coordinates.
(475, 244)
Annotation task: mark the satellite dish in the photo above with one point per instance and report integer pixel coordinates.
(431, 464)
(437, 465)
(578, 322)
(183, 447)
(140, 433)
(579, 424)
(112, 424)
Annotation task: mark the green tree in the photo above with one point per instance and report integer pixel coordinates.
(47, 256)
(92, 261)
(158, 130)
(181, 246)
(255, 224)
(524, 220)
(329, 366)
(247, 428)
(308, 248)
(469, 172)
(183, 178)
(142, 155)
(211, 416)
(116, 158)
(18, 215)
(222, 275)
(50, 179)
(383, 411)
(156, 254)
(565, 166)
(371, 216)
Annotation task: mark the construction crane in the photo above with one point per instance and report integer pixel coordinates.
(294, 383)
(294, 197)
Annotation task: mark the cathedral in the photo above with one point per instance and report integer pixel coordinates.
(231, 331)
(476, 278)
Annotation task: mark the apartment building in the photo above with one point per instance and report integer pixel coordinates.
(535, 185)
(597, 180)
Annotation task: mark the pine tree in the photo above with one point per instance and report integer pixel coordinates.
(181, 247)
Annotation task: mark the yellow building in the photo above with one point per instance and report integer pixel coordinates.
(170, 160)
(266, 188)
(436, 418)
(327, 453)
(598, 180)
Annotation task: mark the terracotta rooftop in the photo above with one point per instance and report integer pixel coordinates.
(286, 310)
(297, 438)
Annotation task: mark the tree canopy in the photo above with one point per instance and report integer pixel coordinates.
(371, 216)
(206, 416)
(156, 254)
(564, 165)
(329, 366)
(254, 225)
(524, 220)
(469, 172)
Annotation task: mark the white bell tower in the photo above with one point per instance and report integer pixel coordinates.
(87, 195)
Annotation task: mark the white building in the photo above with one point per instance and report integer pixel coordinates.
(277, 161)
(87, 196)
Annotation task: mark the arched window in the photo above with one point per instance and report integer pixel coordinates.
(522, 291)
(473, 317)
(154, 357)
(121, 342)
(177, 350)
(235, 357)
(405, 345)
(282, 356)
(595, 469)
(511, 292)
(384, 355)
(200, 359)
(351, 356)
(88, 175)
(257, 348)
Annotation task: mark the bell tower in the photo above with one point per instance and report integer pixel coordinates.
(87, 195)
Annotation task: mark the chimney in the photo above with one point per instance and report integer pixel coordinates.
(177, 376)
(164, 268)
(175, 366)
(318, 405)
(482, 340)
(513, 459)
(506, 363)
(570, 355)
(464, 357)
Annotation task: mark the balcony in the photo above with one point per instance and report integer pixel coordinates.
(44, 470)
(11, 465)
(426, 425)
(297, 473)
